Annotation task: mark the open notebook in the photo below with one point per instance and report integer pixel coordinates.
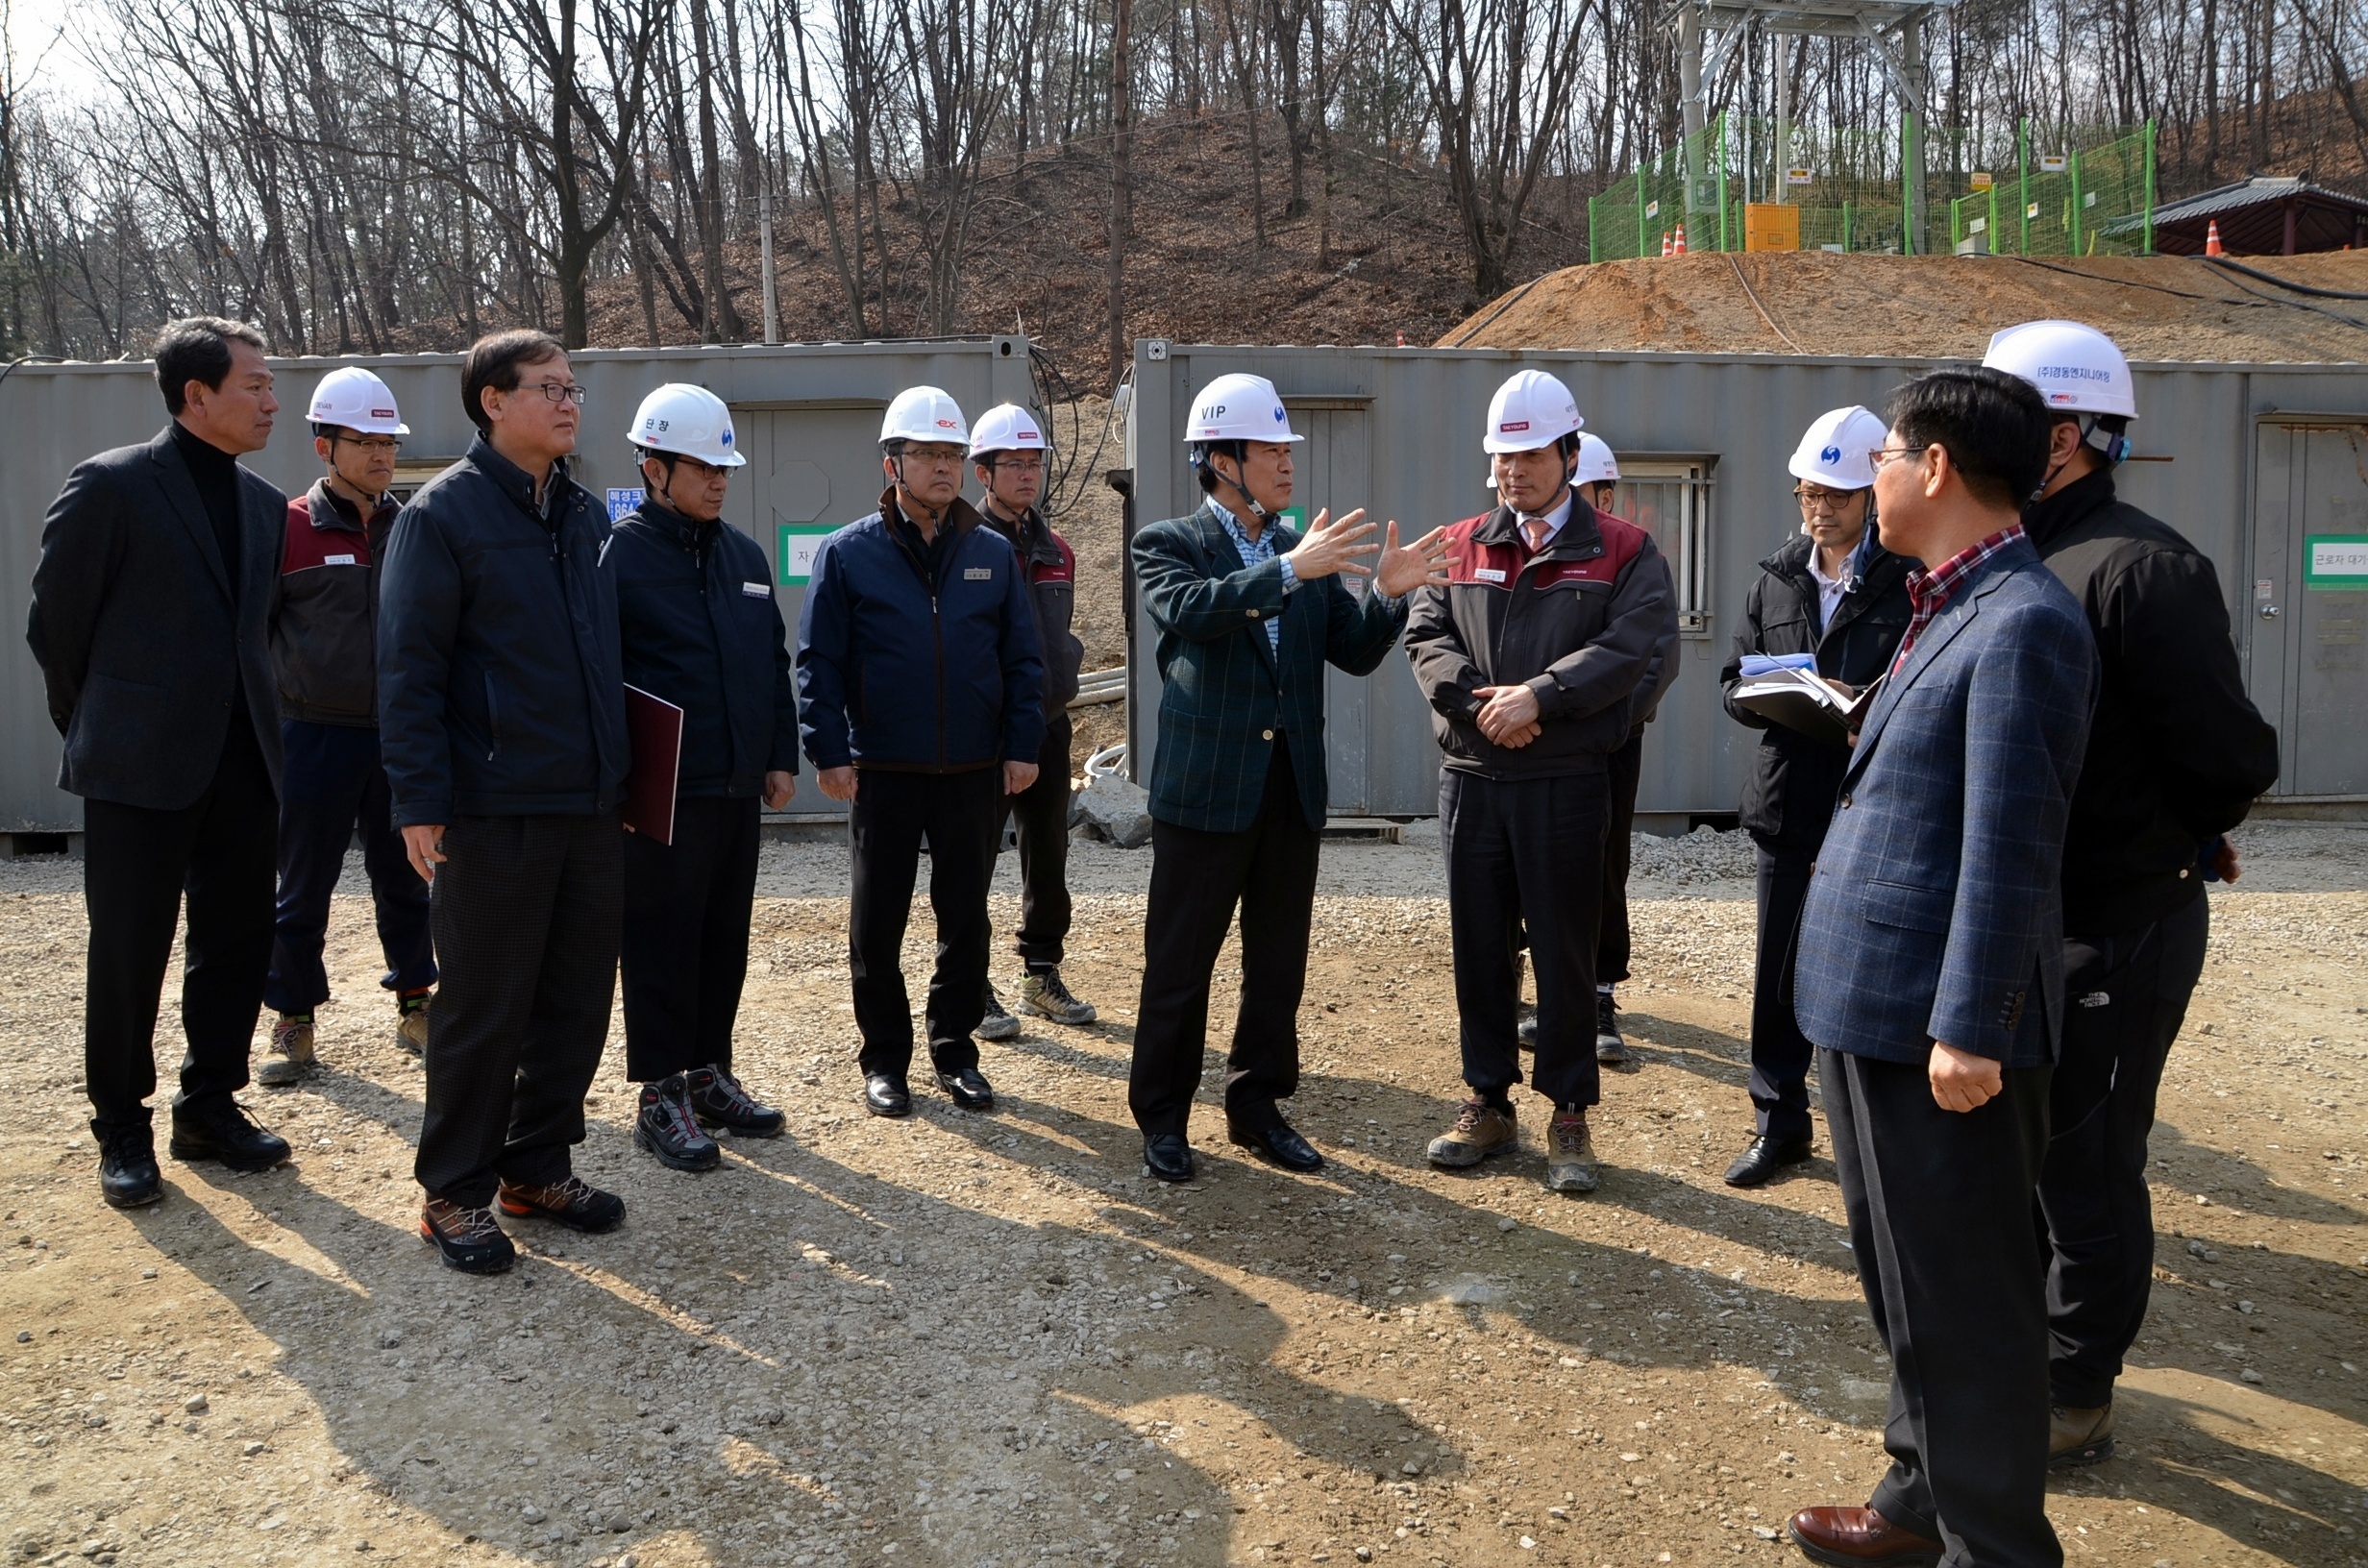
(1805, 700)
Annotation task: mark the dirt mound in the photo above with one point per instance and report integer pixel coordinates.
(2156, 308)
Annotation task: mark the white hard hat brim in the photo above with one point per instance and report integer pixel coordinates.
(1286, 438)
(728, 459)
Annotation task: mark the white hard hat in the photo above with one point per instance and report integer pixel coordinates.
(1596, 463)
(2076, 368)
(924, 413)
(688, 421)
(1838, 449)
(1007, 428)
(1238, 407)
(358, 401)
(1530, 410)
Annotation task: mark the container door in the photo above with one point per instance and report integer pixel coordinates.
(2306, 608)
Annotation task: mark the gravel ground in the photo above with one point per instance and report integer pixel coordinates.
(990, 1340)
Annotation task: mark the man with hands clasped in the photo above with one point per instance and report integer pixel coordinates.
(1248, 612)
(1534, 655)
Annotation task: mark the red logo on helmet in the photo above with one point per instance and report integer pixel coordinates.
(945, 424)
(381, 413)
(1512, 424)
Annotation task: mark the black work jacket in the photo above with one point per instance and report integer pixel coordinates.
(1788, 796)
(2177, 751)
(700, 628)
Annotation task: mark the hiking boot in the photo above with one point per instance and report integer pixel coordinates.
(221, 1129)
(1610, 1049)
(717, 1100)
(1480, 1130)
(996, 1023)
(1042, 992)
(667, 1127)
(2077, 1436)
(1570, 1162)
(571, 1201)
(411, 1021)
(128, 1174)
(468, 1239)
(291, 1059)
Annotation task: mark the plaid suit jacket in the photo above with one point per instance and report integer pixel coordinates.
(1225, 695)
(1935, 908)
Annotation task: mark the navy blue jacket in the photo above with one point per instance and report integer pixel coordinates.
(500, 689)
(918, 662)
(695, 611)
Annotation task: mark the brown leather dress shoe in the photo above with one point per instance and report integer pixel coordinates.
(1858, 1538)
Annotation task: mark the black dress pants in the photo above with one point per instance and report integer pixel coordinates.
(685, 951)
(1940, 1205)
(1525, 854)
(1623, 771)
(2125, 998)
(137, 865)
(1041, 811)
(527, 913)
(1780, 1053)
(1197, 879)
(892, 815)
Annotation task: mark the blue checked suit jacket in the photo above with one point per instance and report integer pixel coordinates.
(1225, 694)
(1935, 908)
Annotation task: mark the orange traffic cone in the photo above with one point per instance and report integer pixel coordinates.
(1401, 340)
(1665, 242)
(1680, 249)
(2212, 238)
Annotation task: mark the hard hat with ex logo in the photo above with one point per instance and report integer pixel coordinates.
(1238, 407)
(689, 422)
(1530, 410)
(356, 400)
(1838, 449)
(2077, 369)
(1007, 428)
(924, 413)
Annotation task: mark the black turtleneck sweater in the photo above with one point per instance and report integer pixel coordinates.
(216, 474)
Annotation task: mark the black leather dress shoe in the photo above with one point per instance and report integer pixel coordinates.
(1277, 1145)
(969, 1088)
(1763, 1157)
(1168, 1157)
(128, 1174)
(222, 1130)
(885, 1094)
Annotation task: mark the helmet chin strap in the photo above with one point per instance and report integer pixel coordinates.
(935, 514)
(1241, 466)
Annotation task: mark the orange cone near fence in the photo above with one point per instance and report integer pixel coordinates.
(2212, 238)
(1680, 248)
(1665, 242)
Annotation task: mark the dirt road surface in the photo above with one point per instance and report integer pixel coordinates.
(990, 1340)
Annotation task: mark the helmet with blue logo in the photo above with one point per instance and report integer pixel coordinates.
(1838, 449)
(1238, 407)
(688, 422)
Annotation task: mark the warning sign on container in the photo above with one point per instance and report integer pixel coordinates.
(2336, 560)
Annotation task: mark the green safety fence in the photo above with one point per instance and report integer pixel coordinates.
(1630, 218)
(2088, 191)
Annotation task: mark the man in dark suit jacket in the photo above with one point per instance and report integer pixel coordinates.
(1931, 977)
(1248, 613)
(149, 611)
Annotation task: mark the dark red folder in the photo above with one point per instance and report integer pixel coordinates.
(653, 728)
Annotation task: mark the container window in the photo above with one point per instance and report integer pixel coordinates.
(1671, 499)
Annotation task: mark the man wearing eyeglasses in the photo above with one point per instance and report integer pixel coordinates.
(324, 623)
(502, 721)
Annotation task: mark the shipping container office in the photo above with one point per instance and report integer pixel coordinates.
(2264, 467)
(808, 418)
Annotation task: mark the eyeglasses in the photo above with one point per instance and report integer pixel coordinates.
(381, 446)
(1814, 499)
(558, 391)
(1031, 463)
(936, 456)
(1883, 456)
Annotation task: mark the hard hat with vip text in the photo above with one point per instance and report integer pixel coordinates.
(689, 422)
(1238, 407)
(1530, 410)
(924, 413)
(356, 400)
(1838, 449)
(2077, 369)
(1008, 428)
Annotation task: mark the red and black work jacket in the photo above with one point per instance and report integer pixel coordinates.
(1585, 623)
(325, 609)
(1051, 569)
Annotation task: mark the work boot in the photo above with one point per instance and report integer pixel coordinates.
(1041, 991)
(128, 1174)
(1570, 1162)
(1480, 1130)
(411, 1021)
(2077, 1436)
(220, 1129)
(1610, 1049)
(469, 1240)
(291, 1059)
(667, 1127)
(995, 1023)
(717, 1100)
(571, 1201)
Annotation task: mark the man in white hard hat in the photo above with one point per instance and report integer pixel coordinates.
(921, 695)
(1833, 599)
(698, 628)
(2175, 756)
(1248, 610)
(324, 631)
(1008, 453)
(1533, 656)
